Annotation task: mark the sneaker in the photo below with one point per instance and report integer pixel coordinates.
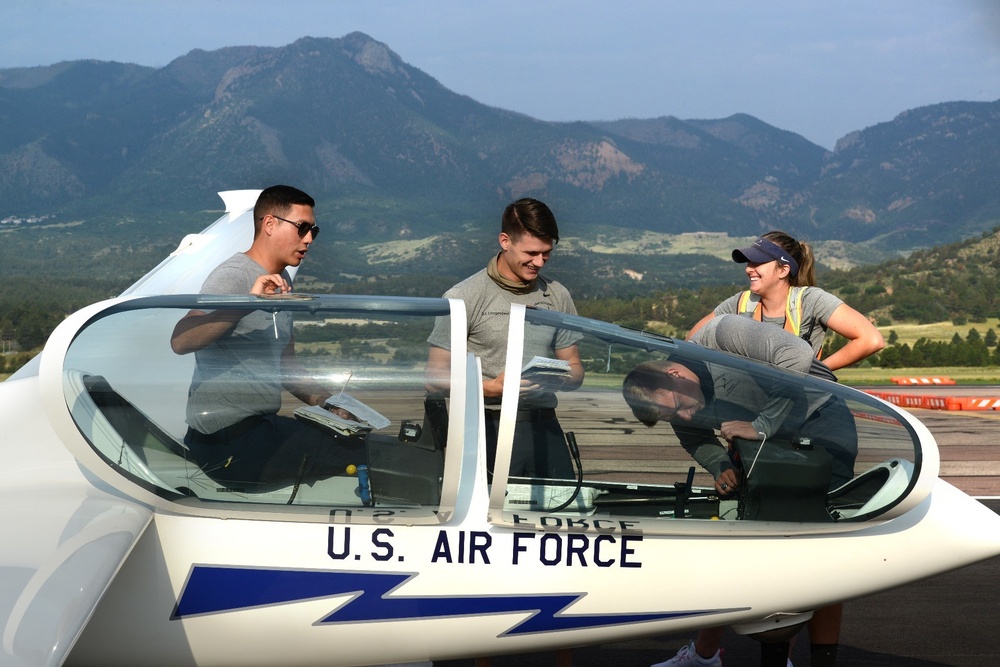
(688, 657)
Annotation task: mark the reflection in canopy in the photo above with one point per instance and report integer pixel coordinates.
(825, 453)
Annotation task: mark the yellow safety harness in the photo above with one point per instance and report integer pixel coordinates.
(749, 304)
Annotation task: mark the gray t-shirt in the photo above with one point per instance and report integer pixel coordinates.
(487, 307)
(737, 394)
(741, 336)
(817, 307)
(238, 375)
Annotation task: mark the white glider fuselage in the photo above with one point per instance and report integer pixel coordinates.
(122, 546)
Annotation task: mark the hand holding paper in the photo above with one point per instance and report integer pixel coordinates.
(363, 412)
(366, 417)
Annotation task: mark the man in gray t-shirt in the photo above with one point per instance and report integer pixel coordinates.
(234, 376)
(243, 361)
(697, 399)
(528, 234)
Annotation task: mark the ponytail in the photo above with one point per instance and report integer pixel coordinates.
(801, 252)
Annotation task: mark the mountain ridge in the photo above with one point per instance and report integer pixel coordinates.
(392, 154)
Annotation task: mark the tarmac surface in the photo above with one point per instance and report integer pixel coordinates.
(950, 620)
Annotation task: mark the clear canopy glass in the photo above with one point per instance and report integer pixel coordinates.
(818, 452)
(209, 427)
(222, 425)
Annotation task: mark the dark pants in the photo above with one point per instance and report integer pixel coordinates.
(275, 450)
(539, 448)
(832, 426)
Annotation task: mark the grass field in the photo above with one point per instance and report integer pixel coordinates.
(911, 333)
(617, 241)
(987, 375)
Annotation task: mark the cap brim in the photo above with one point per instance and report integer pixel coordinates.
(752, 254)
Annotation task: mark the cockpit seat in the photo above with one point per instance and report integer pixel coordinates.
(119, 431)
(400, 470)
(872, 490)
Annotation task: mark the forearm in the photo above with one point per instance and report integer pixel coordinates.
(697, 327)
(308, 391)
(854, 351)
(197, 330)
(437, 374)
(863, 339)
(705, 449)
(571, 355)
(298, 381)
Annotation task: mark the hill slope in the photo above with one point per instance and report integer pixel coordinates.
(108, 161)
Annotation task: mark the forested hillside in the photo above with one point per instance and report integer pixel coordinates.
(958, 283)
(104, 167)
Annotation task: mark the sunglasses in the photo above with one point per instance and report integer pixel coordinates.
(303, 227)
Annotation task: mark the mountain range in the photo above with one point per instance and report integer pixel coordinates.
(105, 159)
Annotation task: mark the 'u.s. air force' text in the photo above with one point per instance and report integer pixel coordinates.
(479, 547)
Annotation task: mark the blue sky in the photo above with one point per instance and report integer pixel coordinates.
(821, 68)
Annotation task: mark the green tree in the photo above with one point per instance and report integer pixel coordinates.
(890, 357)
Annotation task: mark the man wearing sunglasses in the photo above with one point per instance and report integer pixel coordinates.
(244, 359)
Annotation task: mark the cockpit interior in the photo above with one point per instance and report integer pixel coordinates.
(838, 457)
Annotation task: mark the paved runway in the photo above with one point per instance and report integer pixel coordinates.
(951, 620)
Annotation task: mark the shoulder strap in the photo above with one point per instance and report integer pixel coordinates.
(793, 313)
(749, 304)
(793, 310)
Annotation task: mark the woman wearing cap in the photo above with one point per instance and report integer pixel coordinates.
(782, 292)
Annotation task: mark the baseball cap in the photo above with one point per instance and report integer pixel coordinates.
(763, 251)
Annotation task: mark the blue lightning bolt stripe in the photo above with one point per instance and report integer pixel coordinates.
(212, 590)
